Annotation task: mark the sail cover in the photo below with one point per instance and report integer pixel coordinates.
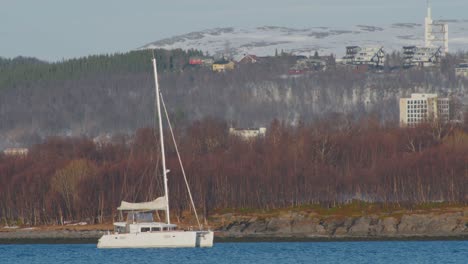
(158, 204)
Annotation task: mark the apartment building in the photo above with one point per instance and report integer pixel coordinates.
(422, 108)
(372, 56)
(462, 70)
(421, 56)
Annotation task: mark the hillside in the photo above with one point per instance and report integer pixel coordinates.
(112, 94)
(264, 41)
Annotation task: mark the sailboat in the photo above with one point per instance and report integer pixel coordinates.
(140, 230)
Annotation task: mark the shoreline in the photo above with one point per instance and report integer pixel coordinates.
(74, 238)
(340, 239)
(284, 226)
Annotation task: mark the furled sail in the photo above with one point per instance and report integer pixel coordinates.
(157, 204)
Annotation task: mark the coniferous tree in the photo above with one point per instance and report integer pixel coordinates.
(316, 55)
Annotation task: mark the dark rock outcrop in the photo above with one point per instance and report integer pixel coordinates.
(304, 226)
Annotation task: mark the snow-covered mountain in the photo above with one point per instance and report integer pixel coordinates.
(265, 40)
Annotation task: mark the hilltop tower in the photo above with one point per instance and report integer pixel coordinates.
(435, 32)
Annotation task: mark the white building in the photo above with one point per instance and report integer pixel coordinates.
(462, 70)
(372, 56)
(421, 56)
(16, 152)
(248, 133)
(422, 108)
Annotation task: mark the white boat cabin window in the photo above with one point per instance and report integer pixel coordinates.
(156, 229)
(139, 217)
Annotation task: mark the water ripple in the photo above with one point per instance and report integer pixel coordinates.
(390, 252)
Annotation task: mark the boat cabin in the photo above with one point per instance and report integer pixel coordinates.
(141, 222)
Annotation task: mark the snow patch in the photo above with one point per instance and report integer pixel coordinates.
(264, 41)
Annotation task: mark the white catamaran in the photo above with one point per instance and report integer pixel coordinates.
(140, 230)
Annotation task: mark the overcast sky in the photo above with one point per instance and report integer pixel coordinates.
(56, 29)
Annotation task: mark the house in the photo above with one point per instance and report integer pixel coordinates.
(421, 56)
(16, 152)
(296, 71)
(304, 65)
(249, 59)
(422, 108)
(223, 65)
(201, 61)
(195, 61)
(371, 56)
(207, 61)
(102, 139)
(462, 70)
(248, 133)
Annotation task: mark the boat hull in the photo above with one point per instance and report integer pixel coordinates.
(168, 239)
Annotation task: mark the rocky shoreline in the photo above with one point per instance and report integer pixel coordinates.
(50, 236)
(291, 226)
(452, 225)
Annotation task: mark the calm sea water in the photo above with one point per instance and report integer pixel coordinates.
(257, 253)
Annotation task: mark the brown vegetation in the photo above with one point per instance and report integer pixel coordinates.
(328, 163)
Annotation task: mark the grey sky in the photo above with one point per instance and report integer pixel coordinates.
(56, 29)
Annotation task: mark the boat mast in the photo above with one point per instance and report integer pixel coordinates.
(161, 137)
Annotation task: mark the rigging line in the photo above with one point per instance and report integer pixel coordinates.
(180, 160)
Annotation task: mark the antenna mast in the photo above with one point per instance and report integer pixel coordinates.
(435, 32)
